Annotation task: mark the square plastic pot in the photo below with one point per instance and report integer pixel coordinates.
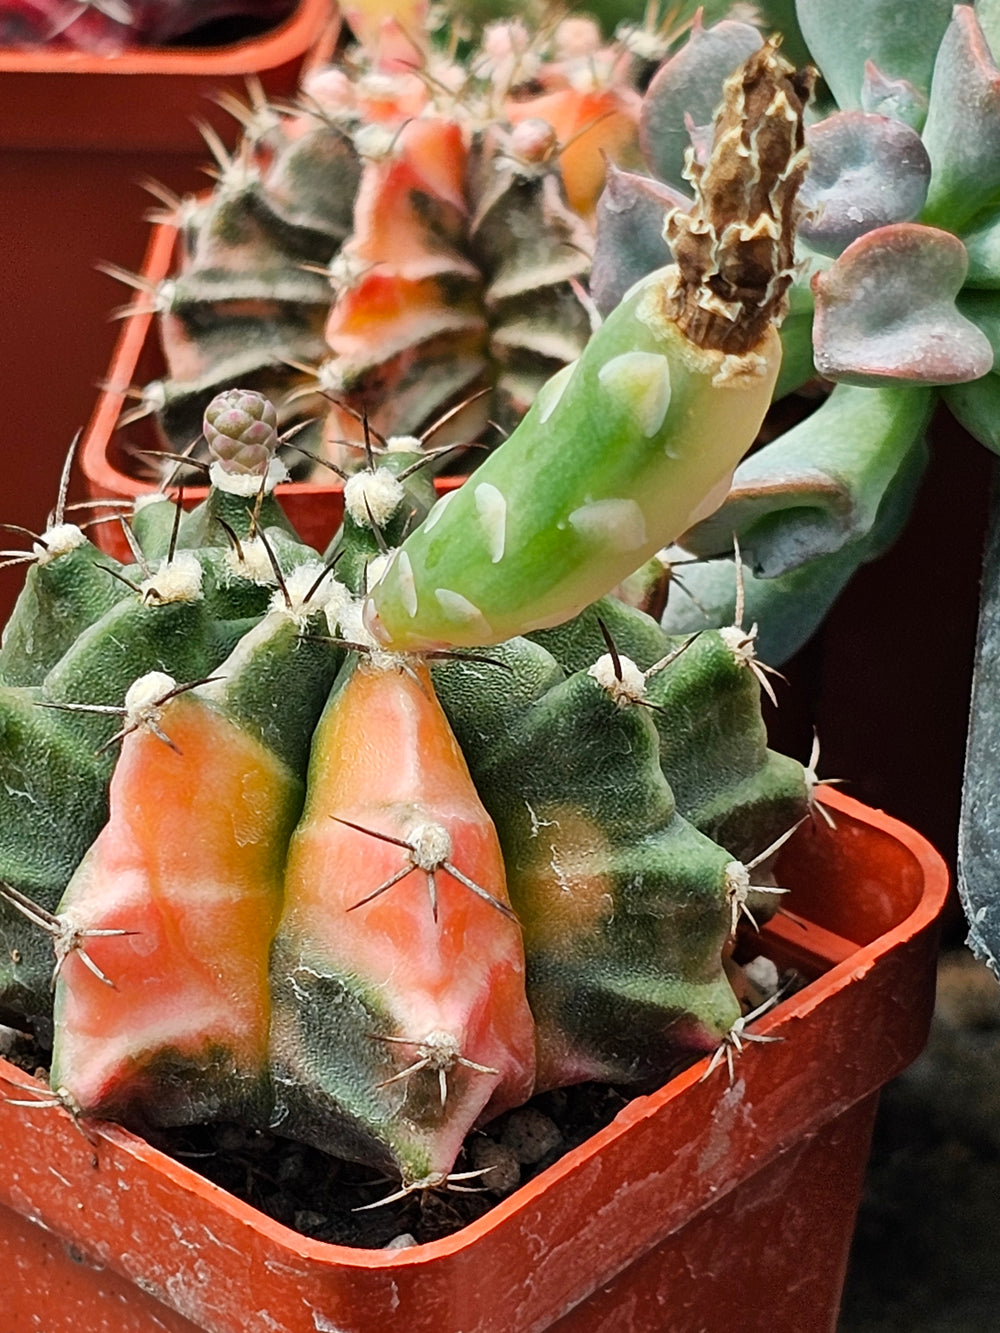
(708, 1206)
(314, 509)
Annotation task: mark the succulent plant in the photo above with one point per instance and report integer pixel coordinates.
(371, 888)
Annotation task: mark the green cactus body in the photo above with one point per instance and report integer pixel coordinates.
(165, 627)
(66, 589)
(625, 905)
(175, 904)
(53, 801)
(426, 977)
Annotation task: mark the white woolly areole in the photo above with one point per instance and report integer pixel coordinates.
(630, 689)
(330, 596)
(142, 502)
(492, 509)
(640, 383)
(552, 390)
(58, 540)
(380, 492)
(254, 563)
(619, 524)
(350, 625)
(247, 483)
(740, 642)
(431, 846)
(177, 580)
(404, 444)
(143, 696)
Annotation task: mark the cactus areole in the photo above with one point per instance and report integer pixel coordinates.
(626, 448)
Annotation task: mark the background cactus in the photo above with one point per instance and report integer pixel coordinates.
(416, 230)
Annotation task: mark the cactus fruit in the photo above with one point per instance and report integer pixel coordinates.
(437, 880)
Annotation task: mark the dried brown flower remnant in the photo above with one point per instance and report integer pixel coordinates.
(735, 249)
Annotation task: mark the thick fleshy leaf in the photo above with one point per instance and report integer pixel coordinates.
(885, 310)
(790, 608)
(977, 407)
(988, 14)
(901, 39)
(983, 309)
(962, 133)
(630, 242)
(864, 171)
(819, 486)
(983, 244)
(686, 90)
(882, 96)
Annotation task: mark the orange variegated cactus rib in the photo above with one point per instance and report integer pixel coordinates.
(190, 865)
(396, 903)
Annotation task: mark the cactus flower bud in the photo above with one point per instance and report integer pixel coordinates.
(241, 428)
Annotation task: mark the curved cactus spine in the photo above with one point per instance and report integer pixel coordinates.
(396, 915)
(679, 378)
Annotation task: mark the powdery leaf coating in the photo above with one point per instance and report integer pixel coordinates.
(864, 171)
(901, 38)
(886, 311)
(962, 133)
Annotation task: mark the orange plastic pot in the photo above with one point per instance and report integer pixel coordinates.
(147, 99)
(704, 1207)
(314, 509)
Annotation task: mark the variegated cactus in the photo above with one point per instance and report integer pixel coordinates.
(371, 889)
(415, 235)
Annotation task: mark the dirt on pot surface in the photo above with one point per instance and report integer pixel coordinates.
(926, 1254)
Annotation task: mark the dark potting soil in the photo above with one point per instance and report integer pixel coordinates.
(329, 1199)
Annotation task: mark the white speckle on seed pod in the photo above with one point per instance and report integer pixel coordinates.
(492, 509)
(407, 584)
(640, 381)
(437, 509)
(459, 608)
(619, 523)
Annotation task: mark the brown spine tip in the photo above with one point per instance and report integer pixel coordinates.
(735, 249)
